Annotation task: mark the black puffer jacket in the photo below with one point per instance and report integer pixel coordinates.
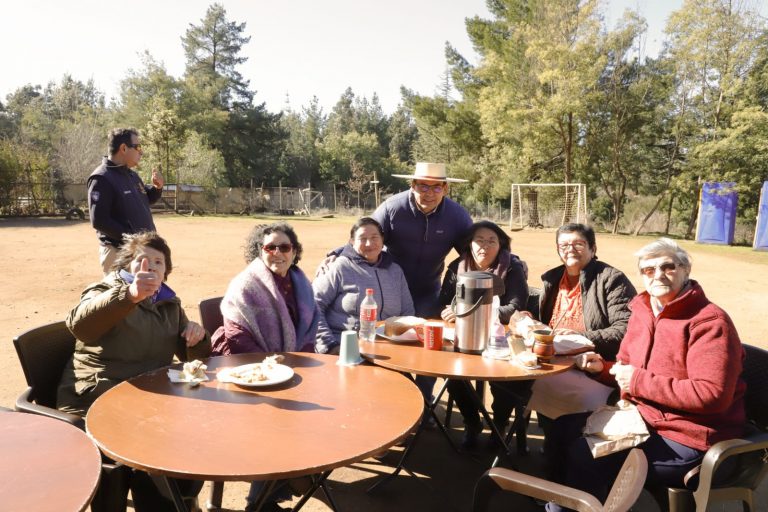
(605, 295)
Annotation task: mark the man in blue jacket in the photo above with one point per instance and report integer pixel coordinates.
(421, 226)
(118, 200)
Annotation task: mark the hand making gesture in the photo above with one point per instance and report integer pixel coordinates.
(157, 178)
(145, 283)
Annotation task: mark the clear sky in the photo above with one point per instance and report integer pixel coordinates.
(298, 48)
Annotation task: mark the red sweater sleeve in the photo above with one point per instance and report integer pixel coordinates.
(713, 364)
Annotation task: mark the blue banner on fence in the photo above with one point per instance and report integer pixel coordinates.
(761, 231)
(717, 213)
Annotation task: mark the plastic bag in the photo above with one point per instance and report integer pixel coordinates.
(611, 429)
(524, 325)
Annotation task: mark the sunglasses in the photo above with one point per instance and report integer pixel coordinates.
(424, 188)
(665, 268)
(137, 147)
(283, 248)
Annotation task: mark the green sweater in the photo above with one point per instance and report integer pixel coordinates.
(117, 340)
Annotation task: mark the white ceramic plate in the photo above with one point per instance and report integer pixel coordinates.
(277, 374)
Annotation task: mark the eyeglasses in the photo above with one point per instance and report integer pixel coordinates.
(665, 268)
(578, 245)
(283, 248)
(484, 242)
(424, 188)
(137, 147)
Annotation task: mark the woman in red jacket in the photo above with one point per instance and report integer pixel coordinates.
(680, 362)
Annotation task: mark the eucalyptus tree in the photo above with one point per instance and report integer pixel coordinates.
(713, 44)
(142, 87)
(619, 123)
(165, 135)
(540, 64)
(201, 165)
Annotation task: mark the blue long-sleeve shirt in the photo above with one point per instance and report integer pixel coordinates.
(420, 242)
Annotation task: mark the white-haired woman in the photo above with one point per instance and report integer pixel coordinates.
(679, 362)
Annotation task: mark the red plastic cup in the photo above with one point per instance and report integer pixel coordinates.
(433, 335)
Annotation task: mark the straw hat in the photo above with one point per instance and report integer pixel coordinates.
(429, 171)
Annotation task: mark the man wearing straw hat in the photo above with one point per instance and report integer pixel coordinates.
(421, 226)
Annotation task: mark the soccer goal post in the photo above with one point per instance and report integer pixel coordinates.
(547, 205)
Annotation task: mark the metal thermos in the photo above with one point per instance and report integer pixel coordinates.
(473, 306)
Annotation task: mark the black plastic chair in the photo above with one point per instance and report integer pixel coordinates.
(43, 353)
(708, 484)
(211, 318)
(210, 314)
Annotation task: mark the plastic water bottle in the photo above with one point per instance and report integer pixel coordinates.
(368, 310)
(497, 342)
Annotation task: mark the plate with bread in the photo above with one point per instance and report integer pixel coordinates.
(267, 373)
(402, 329)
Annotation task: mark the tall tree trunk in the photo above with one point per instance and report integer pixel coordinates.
(669, 214)
(568, 146)
(694, 211)
(616, 215)
(649, 214)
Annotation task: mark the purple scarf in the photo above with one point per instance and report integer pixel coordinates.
(253, 302)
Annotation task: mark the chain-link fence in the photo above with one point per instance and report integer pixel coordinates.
(52, 198)
(42, 198)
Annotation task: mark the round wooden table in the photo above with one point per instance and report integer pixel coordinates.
(412, 357)
(48, 465)
(324, 417)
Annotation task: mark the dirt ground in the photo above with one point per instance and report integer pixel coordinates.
(45, 263)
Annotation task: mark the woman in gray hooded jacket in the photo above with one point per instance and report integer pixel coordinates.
(339, 292)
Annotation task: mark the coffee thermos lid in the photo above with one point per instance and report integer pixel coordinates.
(475, 279)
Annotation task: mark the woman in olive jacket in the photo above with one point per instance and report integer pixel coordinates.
(130, 323)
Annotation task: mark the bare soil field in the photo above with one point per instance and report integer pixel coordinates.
(45, 263)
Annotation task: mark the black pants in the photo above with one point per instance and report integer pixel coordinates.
(150, 493)
(507, 395)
